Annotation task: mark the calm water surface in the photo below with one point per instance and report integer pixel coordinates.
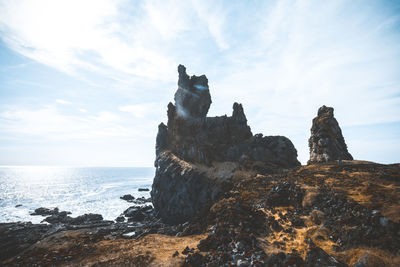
(79, 190)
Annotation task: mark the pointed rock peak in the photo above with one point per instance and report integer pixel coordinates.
(192, 99)
(326, 142)
(184, 79)
(238, 112)
(325, 111)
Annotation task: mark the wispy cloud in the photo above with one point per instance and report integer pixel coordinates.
(63, 102)
(143, 110)
(281, 59)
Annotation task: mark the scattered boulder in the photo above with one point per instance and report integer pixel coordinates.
(143, 189)
(326, 142)
(83, 219)
(138, 213)
(45, 211)
(87, 219)
(127, 197)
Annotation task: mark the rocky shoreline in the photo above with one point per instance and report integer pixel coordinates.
(222, 196)
(301, 217)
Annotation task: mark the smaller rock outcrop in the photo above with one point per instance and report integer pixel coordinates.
(326, 142)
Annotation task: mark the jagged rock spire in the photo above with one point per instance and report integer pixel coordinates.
(326, 142)
(192, 99)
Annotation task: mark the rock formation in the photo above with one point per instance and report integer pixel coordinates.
(326, 142)
(197, 156)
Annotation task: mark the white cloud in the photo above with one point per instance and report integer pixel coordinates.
(212, 13)
(281, 59)
(143, 110)
(63, 102)
(71, 35)
(49, 122)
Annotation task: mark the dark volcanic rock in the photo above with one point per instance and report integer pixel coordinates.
(143, 189)
(45, 211)
(127, 197)
(326, 142)
(16, 237)
(192, 99)
(318, 257)
(180, 190)
(83, 219)
(197, 156)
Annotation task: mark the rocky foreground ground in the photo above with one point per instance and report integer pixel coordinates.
(317, 215)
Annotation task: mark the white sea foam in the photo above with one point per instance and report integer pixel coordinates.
(79, 190)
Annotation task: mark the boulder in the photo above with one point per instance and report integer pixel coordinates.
(326, 142)
(45, 211)
(143, 189)
(127, 197)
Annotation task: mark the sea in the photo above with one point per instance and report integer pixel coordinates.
(78, 190)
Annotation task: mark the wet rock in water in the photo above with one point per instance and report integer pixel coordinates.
(58, 218)
(326, 142)
(138, 213)
(87, 219)
(127, 197)
(143, 189)
(83, 219)
(141, 200)
(197, 156)
(45, 211)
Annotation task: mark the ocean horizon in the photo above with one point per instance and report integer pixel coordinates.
(79, 190)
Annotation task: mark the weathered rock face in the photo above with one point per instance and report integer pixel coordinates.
(326, 142)
(192, 99)
(193, 152)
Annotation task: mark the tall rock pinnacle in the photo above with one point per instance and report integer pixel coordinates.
(192, 99)
(326, 142)
(199, 157)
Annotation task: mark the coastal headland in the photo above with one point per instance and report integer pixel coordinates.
(223, 196)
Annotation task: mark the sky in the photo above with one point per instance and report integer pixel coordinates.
(86, 83)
